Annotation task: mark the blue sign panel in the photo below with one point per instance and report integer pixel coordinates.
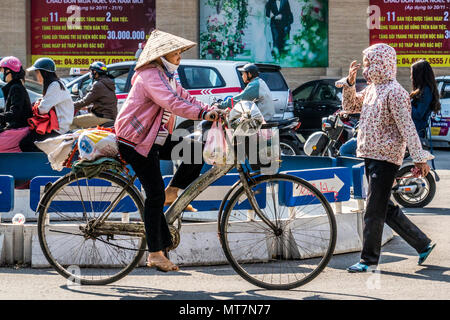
(358, 175)
(211, 198)
(77, 197)
(333, 183)
(6, 193)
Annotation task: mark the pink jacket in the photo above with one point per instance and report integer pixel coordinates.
(385, 126)
(140, 117)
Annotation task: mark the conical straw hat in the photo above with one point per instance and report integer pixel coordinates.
(160, 44)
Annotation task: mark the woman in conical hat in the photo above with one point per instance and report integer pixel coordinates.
(144, 129)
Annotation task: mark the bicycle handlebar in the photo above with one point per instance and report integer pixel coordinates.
(269, 125)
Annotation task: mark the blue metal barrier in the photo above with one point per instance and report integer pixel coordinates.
(27, 165)
(70, 201)
(211, 198)
(6, 193)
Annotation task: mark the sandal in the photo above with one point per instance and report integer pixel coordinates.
(163, 266)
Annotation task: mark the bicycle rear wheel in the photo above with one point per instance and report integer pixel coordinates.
(72, 246)
(291, 249)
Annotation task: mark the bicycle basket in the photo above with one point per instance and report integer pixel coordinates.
(261, 150)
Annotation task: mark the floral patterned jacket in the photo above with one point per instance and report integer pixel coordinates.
(386, 126)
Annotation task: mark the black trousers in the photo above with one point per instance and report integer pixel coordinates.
(380, 209)
(27, 143)
(148, 171)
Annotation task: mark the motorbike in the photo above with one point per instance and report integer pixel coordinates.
(291, 142)
(409, 191)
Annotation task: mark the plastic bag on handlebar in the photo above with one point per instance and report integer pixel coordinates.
(245, 118)
(216, 151)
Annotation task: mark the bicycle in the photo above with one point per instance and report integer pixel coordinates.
(277, 231)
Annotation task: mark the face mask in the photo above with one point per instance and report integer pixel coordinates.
(4, 75)
(169, 66)
(366, 74)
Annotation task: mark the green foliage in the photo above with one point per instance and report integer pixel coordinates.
(309, 47)
(225, 30)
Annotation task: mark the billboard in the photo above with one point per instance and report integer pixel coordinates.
(74, 33)
(417, 29)
(291, 33)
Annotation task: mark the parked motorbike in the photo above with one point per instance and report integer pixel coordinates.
(409, 191)
(291, 142)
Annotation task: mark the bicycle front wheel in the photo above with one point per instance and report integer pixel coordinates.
(72, 244)
(289, 243)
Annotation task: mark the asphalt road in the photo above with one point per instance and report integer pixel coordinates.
(398, 276)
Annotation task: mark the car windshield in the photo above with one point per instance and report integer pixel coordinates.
(445, 93)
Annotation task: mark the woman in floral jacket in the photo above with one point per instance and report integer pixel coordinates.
(385, 130)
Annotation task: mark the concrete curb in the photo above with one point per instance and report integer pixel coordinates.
(200, 245)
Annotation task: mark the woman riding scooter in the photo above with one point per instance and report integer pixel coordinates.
(13, 121)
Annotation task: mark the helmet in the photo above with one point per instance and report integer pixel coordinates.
(316, 144)
(99, 66)
(250, 68)
(11, 63)
(45, 64)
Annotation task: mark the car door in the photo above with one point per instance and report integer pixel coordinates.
(324, 102)
(303, 107)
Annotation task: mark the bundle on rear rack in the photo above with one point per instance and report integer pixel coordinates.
(95, 149)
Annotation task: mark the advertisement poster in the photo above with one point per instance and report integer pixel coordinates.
(417, 29)
(291, 33)
(74, 33)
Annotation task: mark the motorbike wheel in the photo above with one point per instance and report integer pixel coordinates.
(424, 193)
(291, 148)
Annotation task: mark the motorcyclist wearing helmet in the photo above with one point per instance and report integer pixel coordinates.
(256, 90)
(17, 101)
(101, 95)
(55, 97)
(13, 120)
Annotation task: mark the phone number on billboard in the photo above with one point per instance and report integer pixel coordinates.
(68, 61)
(433, 61)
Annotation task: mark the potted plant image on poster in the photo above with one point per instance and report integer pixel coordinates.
(291, 33)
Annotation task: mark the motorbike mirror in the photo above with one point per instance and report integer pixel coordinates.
(75, 89)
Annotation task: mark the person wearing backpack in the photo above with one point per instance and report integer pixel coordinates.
(56, 98)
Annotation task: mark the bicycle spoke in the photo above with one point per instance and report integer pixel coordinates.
(292, 254)
(69, 238)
